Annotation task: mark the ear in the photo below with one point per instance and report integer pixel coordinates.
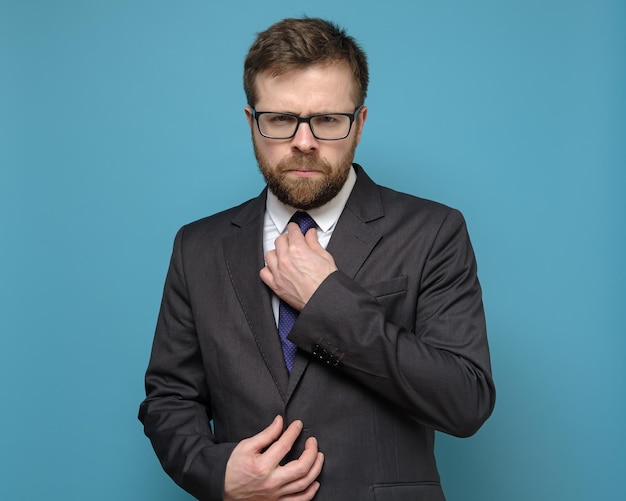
(360, 122)
(249, 117)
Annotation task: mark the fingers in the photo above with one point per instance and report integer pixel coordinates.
(305, 495)
(281, 447)
(304, 470)
(311, 239)
(254, 472)
(293, 236)
(307, 467)
(265, 437)
(266, 273)
(295, 239)
(294, 231)
(246, 470)
(293, 242)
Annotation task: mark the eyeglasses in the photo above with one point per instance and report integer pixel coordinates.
(324, 126)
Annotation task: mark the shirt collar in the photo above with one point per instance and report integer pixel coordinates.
(325, 216)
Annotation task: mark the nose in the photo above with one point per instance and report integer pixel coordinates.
(304, 140)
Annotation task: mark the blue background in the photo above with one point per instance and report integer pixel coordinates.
(122, 120)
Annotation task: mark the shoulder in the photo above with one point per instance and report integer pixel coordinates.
(412, 217)
(397, 202)
(393, 199)
(372, 200)
(217, 226)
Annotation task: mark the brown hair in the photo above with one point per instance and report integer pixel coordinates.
(293, 44)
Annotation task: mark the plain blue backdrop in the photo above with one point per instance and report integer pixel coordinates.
(121, 120)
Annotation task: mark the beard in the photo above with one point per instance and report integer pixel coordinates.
(305, 193)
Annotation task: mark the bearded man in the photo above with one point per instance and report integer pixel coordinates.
(310, 341)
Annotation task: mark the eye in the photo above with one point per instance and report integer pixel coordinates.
(326, 119)
(278, 119)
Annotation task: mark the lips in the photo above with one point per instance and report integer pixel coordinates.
(303, 172)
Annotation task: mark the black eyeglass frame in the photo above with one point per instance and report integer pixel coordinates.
(307, 120)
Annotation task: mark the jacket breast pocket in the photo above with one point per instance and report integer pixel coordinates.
(388, 288)
(392, 295)
(419, 491)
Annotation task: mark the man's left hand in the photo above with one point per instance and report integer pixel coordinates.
(297, 266)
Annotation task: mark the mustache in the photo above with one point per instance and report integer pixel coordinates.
(300, 160)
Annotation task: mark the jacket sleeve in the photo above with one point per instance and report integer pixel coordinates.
(176, 413)
(439, 370)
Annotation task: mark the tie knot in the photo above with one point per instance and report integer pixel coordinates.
(303, 220)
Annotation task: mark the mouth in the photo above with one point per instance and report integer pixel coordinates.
(303, 172)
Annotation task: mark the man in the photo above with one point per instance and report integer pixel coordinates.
(390, 340)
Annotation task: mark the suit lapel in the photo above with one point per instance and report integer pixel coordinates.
(243, 253)
(351, 244)
(353, 238)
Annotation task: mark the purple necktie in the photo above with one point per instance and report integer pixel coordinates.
(286, 314)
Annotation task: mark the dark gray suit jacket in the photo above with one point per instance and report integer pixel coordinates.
(391, 347)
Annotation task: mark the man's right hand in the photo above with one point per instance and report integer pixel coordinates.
(254, 471)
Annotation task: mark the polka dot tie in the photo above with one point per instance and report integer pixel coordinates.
(286, 314)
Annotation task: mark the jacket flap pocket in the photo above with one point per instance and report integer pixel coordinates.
(419, 491)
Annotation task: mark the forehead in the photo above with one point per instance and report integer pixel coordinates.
(316, 88)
